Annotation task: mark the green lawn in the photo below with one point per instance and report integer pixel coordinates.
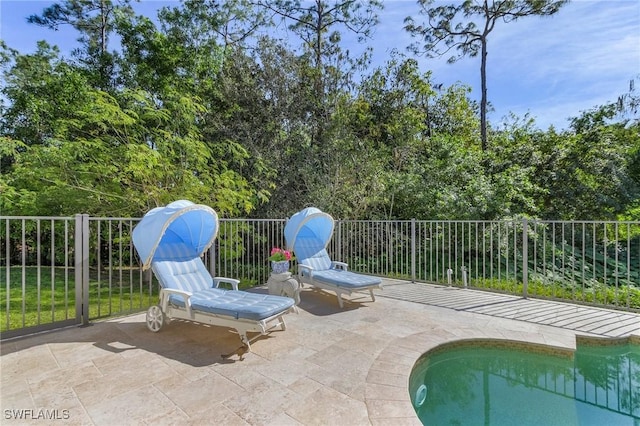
(47, 295)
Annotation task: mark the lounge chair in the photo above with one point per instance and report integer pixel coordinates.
(171, 240)
(307, 233)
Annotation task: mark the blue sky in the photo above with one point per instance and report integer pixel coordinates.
(552, 68)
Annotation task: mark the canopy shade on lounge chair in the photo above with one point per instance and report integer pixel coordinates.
(181, 230)
(310, 224)
(308, 233)
(171, 240)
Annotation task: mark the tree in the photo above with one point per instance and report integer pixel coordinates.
(69, 147)
(628, 105)
(423, 164)
(275, 96)
(452, 27)
(94, 20)
(319, 24)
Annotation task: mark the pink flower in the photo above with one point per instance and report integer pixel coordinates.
(279, 255)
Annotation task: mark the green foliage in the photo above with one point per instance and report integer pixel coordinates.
(201, 107)
(79, 149)
(429, 166)
(581, 174)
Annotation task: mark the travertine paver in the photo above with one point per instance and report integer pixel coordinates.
(331, 366)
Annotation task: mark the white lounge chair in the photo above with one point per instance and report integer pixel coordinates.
(307, 233)
(170, 241)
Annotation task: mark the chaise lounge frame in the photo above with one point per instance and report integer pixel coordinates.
(177, 264)
(166, 310)
(343, 281)
(305, 276)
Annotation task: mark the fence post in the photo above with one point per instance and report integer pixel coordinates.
(525, 257)
(338, 246)
(413, 250)
(82, 268)
(212, 260)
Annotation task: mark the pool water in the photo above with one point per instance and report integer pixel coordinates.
(493, 382)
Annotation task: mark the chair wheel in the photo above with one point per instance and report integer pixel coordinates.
(155, 318)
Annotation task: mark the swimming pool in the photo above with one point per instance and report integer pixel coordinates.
(498, 382)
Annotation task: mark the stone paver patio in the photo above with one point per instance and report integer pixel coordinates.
(331, 366)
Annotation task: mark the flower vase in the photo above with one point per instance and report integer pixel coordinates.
(280, 267)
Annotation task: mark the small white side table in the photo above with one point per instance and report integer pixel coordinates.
(284, 285)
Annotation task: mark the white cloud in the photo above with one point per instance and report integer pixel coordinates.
(557, 66)
(553, 67)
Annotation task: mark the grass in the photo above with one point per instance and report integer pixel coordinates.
(47, 295)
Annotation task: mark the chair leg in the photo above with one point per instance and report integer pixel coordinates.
(373, 297)
(340, 299)
(245, 340)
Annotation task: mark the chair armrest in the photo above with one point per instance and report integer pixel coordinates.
(164, 298)
(305, 269)
(234, 283)
(340, 265)
(185, 294)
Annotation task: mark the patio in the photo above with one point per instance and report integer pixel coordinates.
(331, 366)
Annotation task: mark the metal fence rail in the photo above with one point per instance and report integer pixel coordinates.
(65, 270)
(38, 266)
(588, 262)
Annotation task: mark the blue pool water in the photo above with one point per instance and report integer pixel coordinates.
(493, 382)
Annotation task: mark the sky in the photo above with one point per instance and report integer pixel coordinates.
(551, 68)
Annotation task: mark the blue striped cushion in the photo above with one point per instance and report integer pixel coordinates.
(345, 279)
(190, 275)
(240, 304)
(236, 304)
(309, 253)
